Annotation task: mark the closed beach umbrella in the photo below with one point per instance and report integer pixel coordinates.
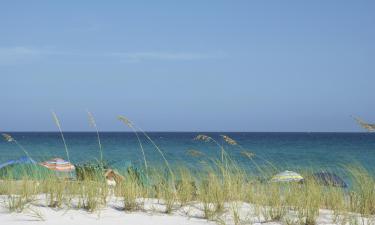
(58, 164)
(329, 179)
(287, 176)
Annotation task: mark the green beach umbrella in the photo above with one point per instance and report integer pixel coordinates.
(287, 176)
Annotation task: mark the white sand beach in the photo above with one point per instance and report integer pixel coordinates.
(151, 213)
(37, 213)
(106, 216)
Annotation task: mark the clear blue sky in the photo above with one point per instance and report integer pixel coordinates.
(187, 65)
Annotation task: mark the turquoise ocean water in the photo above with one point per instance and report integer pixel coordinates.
(284, 150)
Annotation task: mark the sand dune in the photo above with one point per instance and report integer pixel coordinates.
(151, 213)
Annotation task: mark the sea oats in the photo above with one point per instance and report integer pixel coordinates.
(57, 122)
(206, 138)
(56, 119)
(248, 154)
(229, 140)
(369, 127)
(92, 123)
(195, 153)
(8, 138)
(126, 121)
(202, 137)
(91, 118)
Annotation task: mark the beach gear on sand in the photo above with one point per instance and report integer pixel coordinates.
(112, 177)
(287, 176)
(58, 164)
(329, 179)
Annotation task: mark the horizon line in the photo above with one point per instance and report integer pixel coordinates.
(182, 131)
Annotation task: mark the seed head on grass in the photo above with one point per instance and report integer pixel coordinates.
(8, 138)
(229, 140)
(135, 129)
(91, 118)
(206, 138)
(247, 154)
(92, 123)
(126, 121)
(202, 137)
(194, 153)
(57, 122)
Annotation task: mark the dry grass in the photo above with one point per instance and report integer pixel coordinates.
(9, 138)
(92, 123)
(130, 191)
(186, 189)
(128, 123)
(57, 122)
(218, 189)
(362, 196)
(221, 183)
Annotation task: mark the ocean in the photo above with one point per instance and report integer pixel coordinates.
(316, 151)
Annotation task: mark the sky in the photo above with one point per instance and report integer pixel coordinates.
(187, 65)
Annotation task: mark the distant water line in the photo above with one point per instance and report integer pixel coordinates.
(284, 150)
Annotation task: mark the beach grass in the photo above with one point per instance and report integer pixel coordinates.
(218, 190)
(220, 187)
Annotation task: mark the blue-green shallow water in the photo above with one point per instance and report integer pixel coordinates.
(284, 150)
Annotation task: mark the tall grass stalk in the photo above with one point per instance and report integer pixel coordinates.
(130, 124)
(9, 138)
(185, 186)
(92, 123)
(159, 150)
(54, 189)
(219, 188)
(206, 138)
(130, 191)
(362, 197)
(57, 122)
(92, 195)
(249, 155)
(309, 203)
